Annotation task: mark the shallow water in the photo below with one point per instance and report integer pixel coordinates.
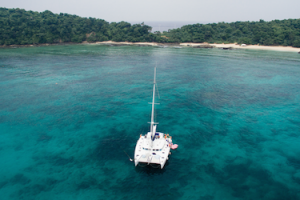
(68, 113)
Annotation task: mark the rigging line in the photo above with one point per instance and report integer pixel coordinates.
(143, 130)
(156, 83)
(128, 156)
(157, 90)
(155, 117)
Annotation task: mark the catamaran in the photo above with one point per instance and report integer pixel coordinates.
(154, 147)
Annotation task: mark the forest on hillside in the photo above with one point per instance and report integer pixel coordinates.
(276, 32)
(21, 27)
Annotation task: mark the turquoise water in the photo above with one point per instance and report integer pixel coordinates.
(68, 113)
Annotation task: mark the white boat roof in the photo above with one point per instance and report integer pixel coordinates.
(156, 144)
(157, 153)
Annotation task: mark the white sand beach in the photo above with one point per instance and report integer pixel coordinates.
(235, 46)
(128, 43)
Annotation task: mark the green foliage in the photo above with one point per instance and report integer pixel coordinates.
(277, 32)
(18, 26)
(296, 42)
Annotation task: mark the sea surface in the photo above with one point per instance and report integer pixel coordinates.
(69, 114)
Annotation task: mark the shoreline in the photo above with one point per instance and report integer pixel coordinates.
(205, 45)
(188, 44)
(256, 47)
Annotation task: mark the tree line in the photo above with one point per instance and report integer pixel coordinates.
(276, 32)
(21, 27)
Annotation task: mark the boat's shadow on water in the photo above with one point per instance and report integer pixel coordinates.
(151, 170)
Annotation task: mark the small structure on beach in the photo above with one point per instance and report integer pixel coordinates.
(203, 46)
(243, 45)
(227, 48)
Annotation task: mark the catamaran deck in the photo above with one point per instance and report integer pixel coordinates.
(157, 153)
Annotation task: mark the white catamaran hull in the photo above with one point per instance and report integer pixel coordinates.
(154, 147)
(157, 154)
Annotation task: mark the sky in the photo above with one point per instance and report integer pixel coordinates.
(167, 10)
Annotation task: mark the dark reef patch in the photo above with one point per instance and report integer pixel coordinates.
(20, 179)
(54, 160)
(248, 181)
(87, 182)
(294, 161)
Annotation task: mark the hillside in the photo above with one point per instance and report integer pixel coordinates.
(21, 27)
(18, 26)
(276, 32)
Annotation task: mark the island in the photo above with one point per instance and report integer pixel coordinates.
(21, 27)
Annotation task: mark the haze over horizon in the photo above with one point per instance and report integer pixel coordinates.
(155, 10)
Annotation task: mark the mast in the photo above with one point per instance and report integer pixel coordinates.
(153, 102)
